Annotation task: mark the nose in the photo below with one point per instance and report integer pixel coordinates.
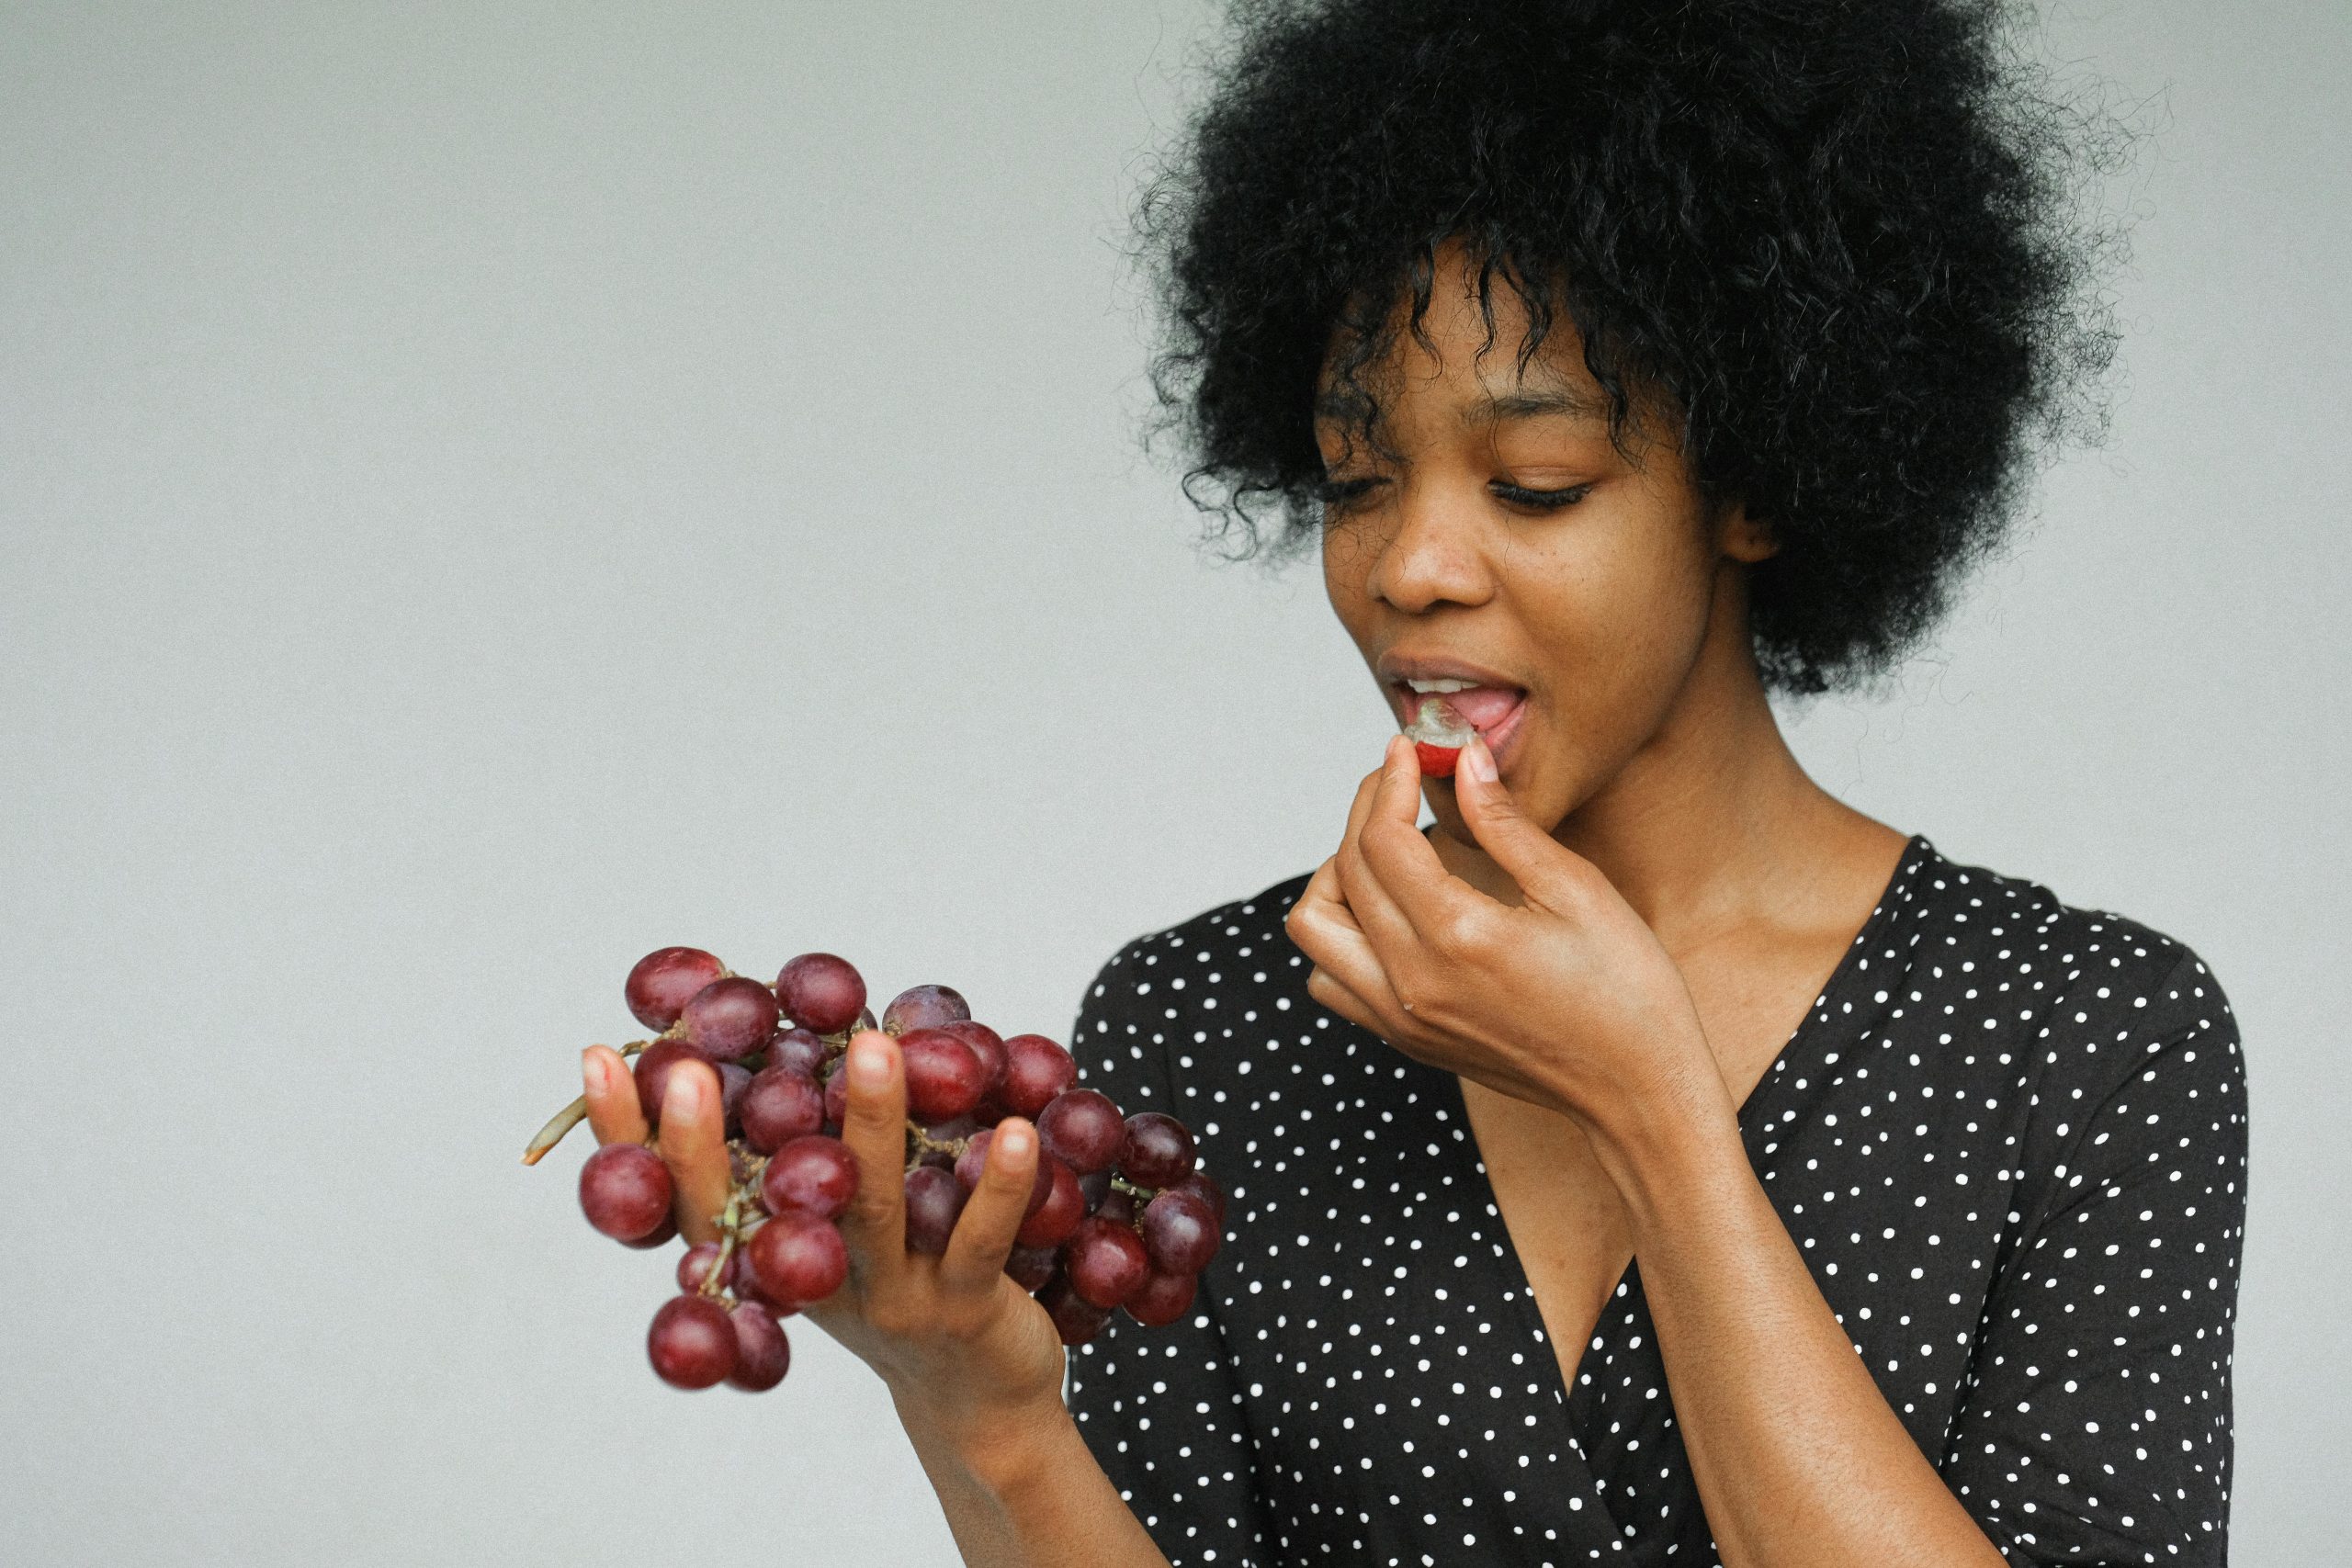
(1434, 552)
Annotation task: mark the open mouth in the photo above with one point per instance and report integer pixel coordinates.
(1441, 715)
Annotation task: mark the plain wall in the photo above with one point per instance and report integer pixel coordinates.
(490, 489)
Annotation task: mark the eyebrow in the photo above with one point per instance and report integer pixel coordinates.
(1550, 402)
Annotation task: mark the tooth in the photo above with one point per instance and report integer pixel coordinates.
(1445, 685)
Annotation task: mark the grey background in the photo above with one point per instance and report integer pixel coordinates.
(487, 489)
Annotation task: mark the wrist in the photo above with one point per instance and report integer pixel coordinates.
(1002, 1449)
(1673, 1153)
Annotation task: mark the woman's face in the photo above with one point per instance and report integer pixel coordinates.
(1510, 545)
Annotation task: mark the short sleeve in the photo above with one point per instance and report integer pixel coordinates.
(1159, 1408)
(2095, 1427)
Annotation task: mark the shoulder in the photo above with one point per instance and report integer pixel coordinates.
(1157, 988)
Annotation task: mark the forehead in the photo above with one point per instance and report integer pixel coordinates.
(1467, 357)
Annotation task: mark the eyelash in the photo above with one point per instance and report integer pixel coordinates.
(1336, 494)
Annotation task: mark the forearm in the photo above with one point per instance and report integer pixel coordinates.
(1798, 1458)
(1028, 1495)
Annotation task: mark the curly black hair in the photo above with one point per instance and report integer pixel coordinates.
(1838, 242)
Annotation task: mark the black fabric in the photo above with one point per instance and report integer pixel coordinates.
(2008, 1138)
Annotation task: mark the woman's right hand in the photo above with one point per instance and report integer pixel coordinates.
(962, 1348)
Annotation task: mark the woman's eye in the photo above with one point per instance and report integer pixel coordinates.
(1540, 499)
(1337, 494)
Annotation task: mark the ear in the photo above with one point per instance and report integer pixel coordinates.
(1744, 539)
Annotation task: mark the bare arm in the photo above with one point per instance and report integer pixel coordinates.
(1798, 1457)
(1030, 1495)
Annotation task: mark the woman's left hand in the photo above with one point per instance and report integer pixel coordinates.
(1567, 1001)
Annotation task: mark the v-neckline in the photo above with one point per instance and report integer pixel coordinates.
(1625, 1294)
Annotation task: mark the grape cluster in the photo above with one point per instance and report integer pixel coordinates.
(1120, 1217)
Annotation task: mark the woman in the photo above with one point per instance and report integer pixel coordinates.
(1656, 1159)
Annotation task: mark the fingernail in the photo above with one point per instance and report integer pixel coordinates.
(866, 1067)
(1013, 1140)
(1478, 761)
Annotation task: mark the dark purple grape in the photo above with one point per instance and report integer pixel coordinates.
(732, 1081)
(1031, 1267)
(652, 1072)
(1076, 1319)
(692, 1342)
(626, 1191)
(763, 1354)
(1050, 1222)
(661, 1235)
(1035, 1069)
(820, 992)
(695, 1265)
(943, 1074)
(746, 1285)
(1082, 1128)
(986, 1044)
(1104, 1261)
(1179, 1231)
(796, 1049)
(1117, 1205)
(665, 980)
(781, 1105)
(1156, 1151)
(812, 1175)
(1096, 1186)
(932, 1202)
(954, 1131)
(924, 1007)
(1162, 1299)
(798, 1259)
(1200, 1181)
(728, 1020)
(837, 1094)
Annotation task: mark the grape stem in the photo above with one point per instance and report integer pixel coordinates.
(1121, 1184)
(730, 1226)
(926, 1144)
(570, 1116)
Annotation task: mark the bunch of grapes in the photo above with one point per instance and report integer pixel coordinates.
(1120, 1218)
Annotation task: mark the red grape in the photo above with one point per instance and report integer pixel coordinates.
(837, 1094)
(1035, 1069)
(1115, 1204)
(1179, 1231)
(820, 992)
(1031, 1267)
(665, 980)
(933, 1200)
(692, 1342)
(924, 1007)
(943, 1074)
(661, 1235)
(1076, 1319)
(653, 1072)
(1156, 1151)
(796, 1049)
(1200, 1181)
(1162, 1299)
(811, 1175)
(781, 1105)
(626, 1191)
(732, 1081)
(746, 1285)
(798, 1259)
(954, 1131)
(1082, 1128)
(987, 1043)
(728, 1020)
(763, 1354)
(695, 1266)
(1104, 1261)
(1050, 1222)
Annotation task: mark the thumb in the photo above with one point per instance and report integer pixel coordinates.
(1528, 854)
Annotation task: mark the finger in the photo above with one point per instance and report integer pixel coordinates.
(875, 1133)
(983, 1236)
(614, 1114)
(1377, 911)
(1544, 869)
(1325, 990)
(694, 1145)
(1326, 931)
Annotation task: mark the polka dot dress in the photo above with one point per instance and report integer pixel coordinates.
(2009, 1138)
